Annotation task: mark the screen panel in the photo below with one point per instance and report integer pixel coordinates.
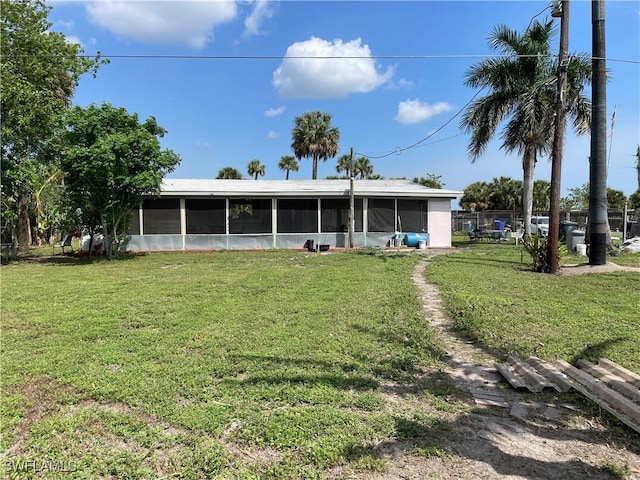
(161, 216)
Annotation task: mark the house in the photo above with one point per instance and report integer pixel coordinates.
(202, 214)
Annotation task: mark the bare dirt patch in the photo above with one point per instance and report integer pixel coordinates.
(584, 268)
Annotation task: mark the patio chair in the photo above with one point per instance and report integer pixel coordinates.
(64, 243)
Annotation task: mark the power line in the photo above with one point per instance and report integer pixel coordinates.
(308, 57)
(399, 150)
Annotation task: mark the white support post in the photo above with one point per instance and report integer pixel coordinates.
(183, 223)
(274, 221)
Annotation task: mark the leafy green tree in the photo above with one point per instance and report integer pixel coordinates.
(476, 197)
(39, 72)
(522, 84)
(48, 201)
(634, 200)
(577, 199)
(431, 180)
(288, 164)
(229, 173)
(255, 168)
(362, 168)
(615, 198)
(315, 138)
(111, 163)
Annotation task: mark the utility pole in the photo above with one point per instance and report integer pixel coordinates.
(561, 9)
(351, 200)
(598, 220)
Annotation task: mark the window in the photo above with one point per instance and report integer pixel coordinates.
(205, 215)
(298, 215)
(250, 215)
(413, 215)
(381, 215)
(335, 215)
(161, 216)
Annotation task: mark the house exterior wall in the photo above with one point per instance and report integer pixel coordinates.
(218, 215)
(439, 223)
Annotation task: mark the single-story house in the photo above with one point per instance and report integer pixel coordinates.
(202, 214)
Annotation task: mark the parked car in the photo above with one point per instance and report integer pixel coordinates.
(540, 226)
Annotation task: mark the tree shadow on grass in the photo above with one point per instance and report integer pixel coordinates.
(487, 260)
(73, 260)
(593, 352)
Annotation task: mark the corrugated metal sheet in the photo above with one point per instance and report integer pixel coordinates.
(301, 188)
(611, 386)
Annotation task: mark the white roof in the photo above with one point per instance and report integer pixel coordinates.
(300, 188)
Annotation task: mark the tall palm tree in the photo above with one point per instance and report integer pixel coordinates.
(522, 84)
(344, 164)
(315, 138)
(363, 168)
(288, 164)
(638, 165)
(229, 173)
(255, 168)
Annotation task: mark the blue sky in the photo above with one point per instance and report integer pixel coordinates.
(406, 82)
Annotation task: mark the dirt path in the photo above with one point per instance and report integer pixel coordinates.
(512, 434)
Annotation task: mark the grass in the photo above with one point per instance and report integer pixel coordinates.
(278, 354)
(495, 298)
(268, 364)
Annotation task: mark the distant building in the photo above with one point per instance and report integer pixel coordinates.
(200, 214)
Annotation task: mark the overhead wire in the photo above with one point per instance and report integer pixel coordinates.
(399, 150)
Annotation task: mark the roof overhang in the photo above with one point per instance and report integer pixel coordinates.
(300, 189)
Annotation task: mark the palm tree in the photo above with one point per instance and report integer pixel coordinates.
(315, 138)
(363, 168)
(638, 165)
(541, 195)
(229, 173)
(476, 197)
(522, 83)
(505, 193)
(288, 164)
(344, 164)
(255, 168)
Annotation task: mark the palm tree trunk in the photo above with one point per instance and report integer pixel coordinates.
(638, 165)
(314, 173)
(287, 175)
(528, 166)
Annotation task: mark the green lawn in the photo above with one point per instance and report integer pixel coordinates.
(277, 351)
(494, 297)
(267, 364)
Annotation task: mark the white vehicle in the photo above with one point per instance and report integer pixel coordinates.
(540, 226)
(631, 245)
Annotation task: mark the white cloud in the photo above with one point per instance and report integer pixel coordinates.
(414, 111)
(273, 134)
(73, 39)
(323, 77)
(274, 112)
(64, 24)
(187, 23)
(262, 10)
(202, 144)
